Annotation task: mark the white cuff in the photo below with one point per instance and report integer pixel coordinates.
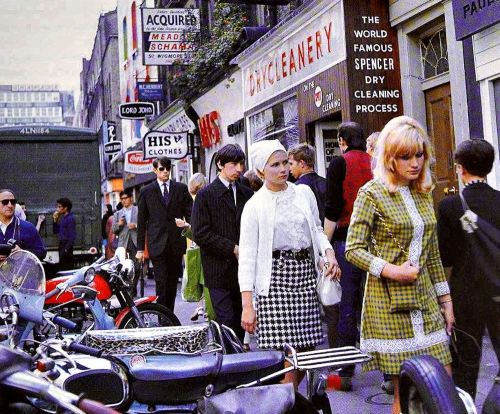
(442, 288)
(376, 266)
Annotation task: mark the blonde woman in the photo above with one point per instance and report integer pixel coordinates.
(392, 235)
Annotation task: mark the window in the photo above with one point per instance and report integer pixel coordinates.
(134, 25)
(125, 40)
(434, 54)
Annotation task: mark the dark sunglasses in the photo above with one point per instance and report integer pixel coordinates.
(12, 201)
(161, 169)
(124, 198)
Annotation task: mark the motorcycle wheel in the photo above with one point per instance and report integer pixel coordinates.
(426, 388)
(153, 314)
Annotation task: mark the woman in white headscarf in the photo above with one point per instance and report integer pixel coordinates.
(282, 246)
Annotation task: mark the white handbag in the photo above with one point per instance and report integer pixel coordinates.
(329, 291)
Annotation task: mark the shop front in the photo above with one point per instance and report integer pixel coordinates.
(332, 61)
(220, 120)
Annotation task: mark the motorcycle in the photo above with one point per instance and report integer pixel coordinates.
(104, 289)
(22, 292)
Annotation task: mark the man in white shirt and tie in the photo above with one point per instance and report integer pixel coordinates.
(159, 204)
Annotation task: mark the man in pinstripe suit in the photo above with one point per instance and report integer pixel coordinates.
(215, 222)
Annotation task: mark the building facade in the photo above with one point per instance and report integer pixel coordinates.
(35, 105)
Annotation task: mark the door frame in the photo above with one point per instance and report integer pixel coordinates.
(320, 166)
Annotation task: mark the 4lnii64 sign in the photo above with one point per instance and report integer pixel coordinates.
(169, 144)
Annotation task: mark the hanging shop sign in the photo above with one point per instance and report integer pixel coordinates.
(318, 45)
(472, 16)
(210, 132)
(169, 35)
(113, 147)
(136, 164)
(170, 144)
(136, 110)
(150, 91)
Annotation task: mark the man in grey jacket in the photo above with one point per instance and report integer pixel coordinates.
(125, 224)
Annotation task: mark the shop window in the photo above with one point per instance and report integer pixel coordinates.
(434, 54)
(277, 122)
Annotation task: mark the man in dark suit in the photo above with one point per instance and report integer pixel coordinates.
(160, 203)
(473, 304)
(216, 229)
(301, 158)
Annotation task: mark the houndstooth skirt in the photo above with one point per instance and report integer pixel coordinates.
(290, 313)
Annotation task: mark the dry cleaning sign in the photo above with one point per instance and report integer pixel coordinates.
(165, 144)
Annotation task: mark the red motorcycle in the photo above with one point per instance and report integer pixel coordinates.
(100, 295)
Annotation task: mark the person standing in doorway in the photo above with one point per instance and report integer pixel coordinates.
(65, 227)
(216, 229)
(159, 204)
(346, 175)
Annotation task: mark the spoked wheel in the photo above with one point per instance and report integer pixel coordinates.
(426, 388)
(153, 314)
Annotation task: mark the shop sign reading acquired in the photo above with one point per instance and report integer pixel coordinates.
(168, 35)
(319, 45)
(136, 164)
(169, 144)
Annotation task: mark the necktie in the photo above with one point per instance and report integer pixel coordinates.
(232, 192)
(165, 193)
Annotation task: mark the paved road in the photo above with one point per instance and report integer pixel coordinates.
(367, 397)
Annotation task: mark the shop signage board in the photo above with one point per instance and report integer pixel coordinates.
(136, 164)
(168, 35)
(170, 144)
(150, 91)
(472, 16)
(318, 45)
(113, 147)
(136, 110)
(210, 132)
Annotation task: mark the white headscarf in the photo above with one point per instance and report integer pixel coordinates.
(261, 151)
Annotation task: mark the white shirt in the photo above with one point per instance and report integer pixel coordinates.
(226, 183)
(128, 214)
(3, 226)
(160, 183)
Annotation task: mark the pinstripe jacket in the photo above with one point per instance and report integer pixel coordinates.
(215, 223)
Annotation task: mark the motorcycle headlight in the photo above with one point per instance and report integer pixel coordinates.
(89, 275)
(128, 269)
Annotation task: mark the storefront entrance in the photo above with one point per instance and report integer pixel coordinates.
(326, 144)
(440, 128)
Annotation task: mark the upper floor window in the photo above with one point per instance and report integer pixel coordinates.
(134, 26)
(434, 54)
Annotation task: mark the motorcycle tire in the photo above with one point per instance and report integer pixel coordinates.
(426, 387)
(492, 403)
(302, 405)
(154, 315)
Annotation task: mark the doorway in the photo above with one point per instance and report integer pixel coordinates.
(440, 129)
(326, 144)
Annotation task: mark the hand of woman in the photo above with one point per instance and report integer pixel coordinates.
(181, 223)
(449, 316)
(332, 267)
(406, 273)
(248, 319)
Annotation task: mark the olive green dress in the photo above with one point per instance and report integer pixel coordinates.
(390, 336)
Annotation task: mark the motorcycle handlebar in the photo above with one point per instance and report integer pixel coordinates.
(53, 292)
(65, 323)
(83, 349)
(94, 407)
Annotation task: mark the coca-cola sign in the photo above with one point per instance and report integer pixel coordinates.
(136, 164)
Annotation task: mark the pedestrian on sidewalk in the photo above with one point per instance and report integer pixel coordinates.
(475, 308)
(125, 224)
(216, 229)
(346, 175)
(392, 235)
(65, 227)
(281, 245)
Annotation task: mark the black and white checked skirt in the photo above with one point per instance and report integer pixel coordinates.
(290, 313)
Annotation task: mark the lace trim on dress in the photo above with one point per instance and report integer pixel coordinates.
(376, 266)
(442, 288)
(418, 226)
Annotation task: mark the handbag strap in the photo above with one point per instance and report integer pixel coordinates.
(464, 203)
(387, 229)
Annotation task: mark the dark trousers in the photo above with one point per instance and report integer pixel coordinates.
(228, 309)
(331, 320)
(350, 304)
(65, 256)
(472, 316)
(167, 270)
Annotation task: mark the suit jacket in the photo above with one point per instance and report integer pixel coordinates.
(485, 202)
(318, 187)
(216, 229)
(123, 232)
(157, 218)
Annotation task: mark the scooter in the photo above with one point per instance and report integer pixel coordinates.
(95, 288)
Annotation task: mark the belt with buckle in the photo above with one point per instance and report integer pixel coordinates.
(291, 254)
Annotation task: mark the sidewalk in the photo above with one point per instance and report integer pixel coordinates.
(366, 397)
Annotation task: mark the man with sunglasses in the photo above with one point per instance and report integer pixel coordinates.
(159, 204)
(125, 224)
(12, 227)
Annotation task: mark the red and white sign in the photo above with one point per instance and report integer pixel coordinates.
(136, 164)
(316, 46)
(210, 132)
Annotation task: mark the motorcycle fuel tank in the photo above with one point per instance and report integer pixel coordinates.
(100, 284)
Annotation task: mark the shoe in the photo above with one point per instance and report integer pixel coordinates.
(197, 313)
(388, 387)
(345, 384)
